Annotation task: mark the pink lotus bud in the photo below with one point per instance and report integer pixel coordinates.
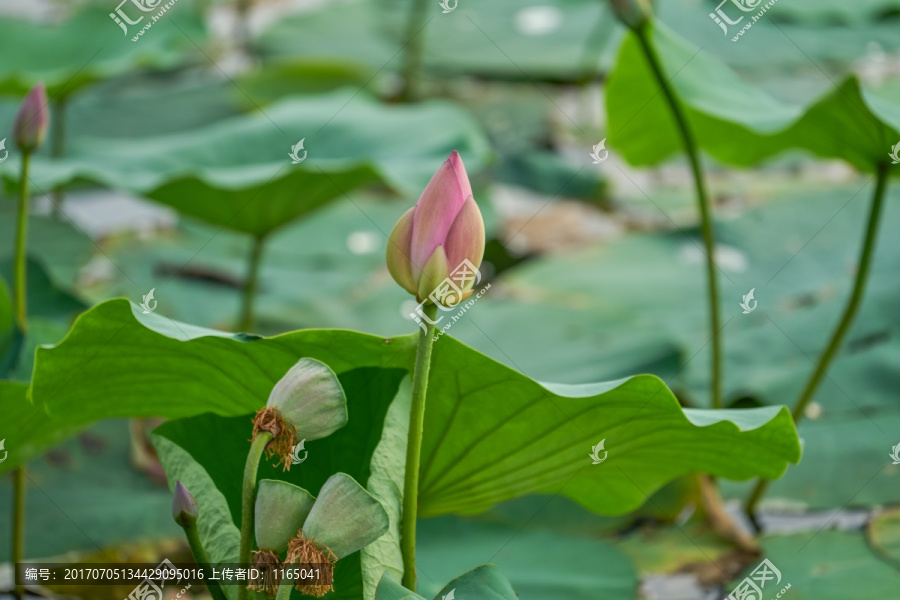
(632, 13)
(435, 236)
(184, 506)
(30, 126)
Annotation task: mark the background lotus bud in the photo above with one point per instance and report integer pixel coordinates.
(30, 126)
(435, 236)
(632, 13)
(184, 506)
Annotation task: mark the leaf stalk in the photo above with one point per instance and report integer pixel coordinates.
(706, 223)
(843, 326)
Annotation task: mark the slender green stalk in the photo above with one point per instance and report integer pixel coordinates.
(284, 588)
(837, 336)
(250, 284)
(247, 498)
(57, 148)
(18, 533)
(20, 251)
(241, 25)
(193, 538)
(414, 451)
(20, 309)
(706, 224)
(412, 55)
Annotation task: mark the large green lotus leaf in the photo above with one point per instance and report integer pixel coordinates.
(734, 121)
(237, 173)
(220, 537)
(58, 247)
(637, 305)
(84, 494)
(491, 433)
(855, 445)
(558, 40)
(825, 565)
(371, 448)
(883, 533)
(782, 44)
(538, 564)
(486, 582)
(89, 46)
(8, 328)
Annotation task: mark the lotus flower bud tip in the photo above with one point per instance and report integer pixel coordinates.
(184, 506)
(32, 120)
(632, 13)
(433, 238)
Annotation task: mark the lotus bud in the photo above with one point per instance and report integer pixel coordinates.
(184, 506)
(632, 13)
(343, 519)
(30, 126)
(308, 403)
(435, 236)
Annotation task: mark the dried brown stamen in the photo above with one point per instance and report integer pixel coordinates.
(268, 563)
(284, 434)
(302, 551)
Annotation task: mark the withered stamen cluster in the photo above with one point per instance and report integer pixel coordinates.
(268, 563)
(284, 435)
(306, 552)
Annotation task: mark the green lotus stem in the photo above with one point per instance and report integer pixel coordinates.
(706, 225)
(412, 55)
(242, 29)
(284, 588)
(21, 249)
(414, 450)
(57, 148)
(247, 499)
(245, 322)
(18, 533)
(850, 310)
(193, 538)
(20, 309)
